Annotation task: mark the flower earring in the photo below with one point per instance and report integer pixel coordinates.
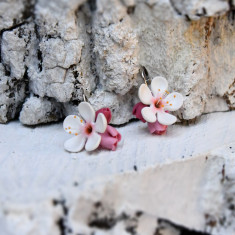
(156, 104)
(91, 130)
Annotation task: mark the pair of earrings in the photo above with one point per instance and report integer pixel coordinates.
(92, 130)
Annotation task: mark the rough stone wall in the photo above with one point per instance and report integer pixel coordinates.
(51, 52)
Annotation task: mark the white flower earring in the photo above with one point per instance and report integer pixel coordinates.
(157, 103)
(85, 129)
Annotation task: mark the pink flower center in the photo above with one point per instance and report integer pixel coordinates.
(158, 104)
(88, 129)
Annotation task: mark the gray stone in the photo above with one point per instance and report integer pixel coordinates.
(116, 47)
(60, 50)
(38, 110)
(120, 106)
(11, 12)
(196, 8)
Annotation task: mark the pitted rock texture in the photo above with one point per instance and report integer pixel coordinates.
(37, 110)
(56, 51)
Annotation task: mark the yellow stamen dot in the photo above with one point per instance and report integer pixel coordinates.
(160, 98)
(163, 106)
(81, 121)
(174, 96)
(170, 104)
(74, 116)
(69, 127)
(76, 133)
(167, 102)
(167, 91)
(65, 128)
(159, 89)
(70, 132)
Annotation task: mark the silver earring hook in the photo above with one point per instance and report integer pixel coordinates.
(144, 74)
(84, 97)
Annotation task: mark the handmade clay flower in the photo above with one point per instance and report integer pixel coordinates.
(137, 111)
(157, 128)
(85, 130)
(159, 102)
(154, 128)
(111, 137)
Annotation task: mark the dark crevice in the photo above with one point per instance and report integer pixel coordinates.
(49, 36)
(163, 224)
(89, 26)
(231, 14)
(132, 230)
(39, 55)
(187, 18)
(104, 218)
(105, 223)
(7, 70)
(29, 11)
(92, 5)
(61, 225)
(39, 52)
(29, 7)
(62, 221)
(130, 10)
(175, 8)
(37, 34)
(125, 124)
(36, 30)
(16, 86)
(231, 6)
(26, 81)
(202, 13)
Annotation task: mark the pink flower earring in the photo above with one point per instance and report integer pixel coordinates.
(91, 130)
(156, 104)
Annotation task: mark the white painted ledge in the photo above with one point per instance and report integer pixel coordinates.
(34, 169)
(35, 156)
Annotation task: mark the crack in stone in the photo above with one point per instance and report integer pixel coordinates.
(165, 224)
(175, 8)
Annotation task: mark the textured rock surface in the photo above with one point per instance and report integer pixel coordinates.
(59, 50)
(165, 184)
(38, 110)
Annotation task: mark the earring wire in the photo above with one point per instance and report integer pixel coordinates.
(84, 97)
(144, 74)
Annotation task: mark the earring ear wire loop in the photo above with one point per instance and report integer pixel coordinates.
(144, 74)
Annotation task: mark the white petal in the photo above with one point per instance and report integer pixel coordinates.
(159, 85)
(72, 124)
(101, 123)
(93, 142)
(145, 94)
(166, 118)
(75, 144)
(86, 111)
(175, 101)
(148, 114)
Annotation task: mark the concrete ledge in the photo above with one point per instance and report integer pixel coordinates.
(186, 177)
